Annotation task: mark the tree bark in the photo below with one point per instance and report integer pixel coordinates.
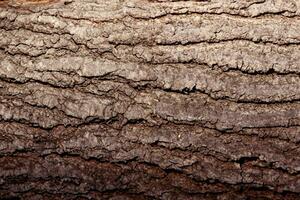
(150, 99)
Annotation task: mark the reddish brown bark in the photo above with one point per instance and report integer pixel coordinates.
(141, 99)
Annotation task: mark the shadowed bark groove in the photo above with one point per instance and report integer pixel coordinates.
(150, 99)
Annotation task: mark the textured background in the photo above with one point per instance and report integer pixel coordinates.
(150, 99)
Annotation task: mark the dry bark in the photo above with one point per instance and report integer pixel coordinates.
(150, 99)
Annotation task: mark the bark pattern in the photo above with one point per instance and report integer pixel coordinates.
(150, 99)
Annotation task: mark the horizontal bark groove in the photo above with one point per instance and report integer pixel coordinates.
(156, 183)
(150, 99)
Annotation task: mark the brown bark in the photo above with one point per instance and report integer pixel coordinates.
(149, 99)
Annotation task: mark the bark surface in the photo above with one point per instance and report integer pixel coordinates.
(150, 99)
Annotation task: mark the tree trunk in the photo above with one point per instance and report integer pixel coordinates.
(150, 99)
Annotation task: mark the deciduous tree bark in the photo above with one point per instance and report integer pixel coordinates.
(150, 99)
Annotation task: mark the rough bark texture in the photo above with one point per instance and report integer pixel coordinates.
(150, 99)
